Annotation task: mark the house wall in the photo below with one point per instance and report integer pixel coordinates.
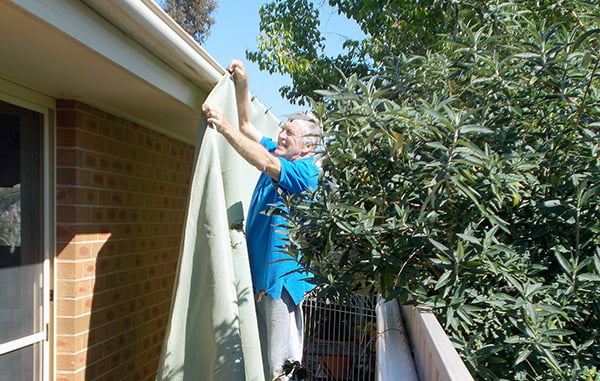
(120, 205)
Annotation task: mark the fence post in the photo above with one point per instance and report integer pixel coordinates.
(394, 355)
(435, 357)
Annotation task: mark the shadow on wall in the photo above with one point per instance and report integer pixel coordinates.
(121, 198)
(116, 305)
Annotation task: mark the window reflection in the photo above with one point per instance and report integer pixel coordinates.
(10, 225)
(10, 189)
(20, 186)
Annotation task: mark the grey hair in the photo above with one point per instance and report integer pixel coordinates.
(312, 136)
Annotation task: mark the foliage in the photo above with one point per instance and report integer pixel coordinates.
(194, 16)
(293, 370)
(391, 27)
(291, 47)
(464, 173)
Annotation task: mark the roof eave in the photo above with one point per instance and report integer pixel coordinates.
(124, 56)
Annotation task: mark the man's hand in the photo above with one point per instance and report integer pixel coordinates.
(216, 119)
(249, 148)
(240, 75)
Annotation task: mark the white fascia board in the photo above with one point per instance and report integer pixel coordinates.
(148, 24)
(102, 34)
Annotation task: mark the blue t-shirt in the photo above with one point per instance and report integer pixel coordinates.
(265, 236)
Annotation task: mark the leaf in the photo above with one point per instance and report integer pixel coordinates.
(589, 193)
(523, 355)
(443, 280)
(474, 156)
(461, 311)
(436, 145)
(475, 128)
(513, 282)
(468, 191)
(326, 93)
(441, 247)
(527, 55)
(551, 359)
(563, 263)
(584, 36)
(546, 309)
(516, 340)
(344, 226)
(531, 289)
(559, 332)
(551, 204)
(469, 238)
(589, 277)
(349, 208)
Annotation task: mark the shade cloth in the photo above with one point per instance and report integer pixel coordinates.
(212, 332)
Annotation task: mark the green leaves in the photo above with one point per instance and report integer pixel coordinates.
(466, 176)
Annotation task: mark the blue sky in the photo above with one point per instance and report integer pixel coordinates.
(236, 30)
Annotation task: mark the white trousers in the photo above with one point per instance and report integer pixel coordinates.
(281, 330)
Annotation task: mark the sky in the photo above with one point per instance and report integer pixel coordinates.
(236, 30)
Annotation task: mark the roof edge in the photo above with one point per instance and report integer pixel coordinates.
(149, 25)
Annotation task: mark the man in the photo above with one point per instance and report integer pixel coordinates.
(287, 166)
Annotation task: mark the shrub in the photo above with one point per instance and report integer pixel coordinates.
(468, 179)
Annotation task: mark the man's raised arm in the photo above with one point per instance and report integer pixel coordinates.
(240, 78)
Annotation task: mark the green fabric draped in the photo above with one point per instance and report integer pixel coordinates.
(212, 332)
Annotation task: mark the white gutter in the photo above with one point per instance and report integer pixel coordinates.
(148, 24)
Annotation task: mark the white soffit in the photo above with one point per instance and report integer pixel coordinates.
(66, 50)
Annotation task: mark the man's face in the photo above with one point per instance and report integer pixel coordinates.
(290, 142)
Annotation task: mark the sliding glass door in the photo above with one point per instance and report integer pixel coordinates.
(23, 328)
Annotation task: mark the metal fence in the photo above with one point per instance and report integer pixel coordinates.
(340, 338)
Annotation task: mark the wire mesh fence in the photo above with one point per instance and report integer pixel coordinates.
(340, 338)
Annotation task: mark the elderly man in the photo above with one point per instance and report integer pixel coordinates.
(288, 166)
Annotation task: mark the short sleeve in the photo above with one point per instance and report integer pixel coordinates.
(298, 175)
(268, 143)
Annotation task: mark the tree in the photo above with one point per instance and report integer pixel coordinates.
(297, 49)
(194, 16)
(461, 170)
